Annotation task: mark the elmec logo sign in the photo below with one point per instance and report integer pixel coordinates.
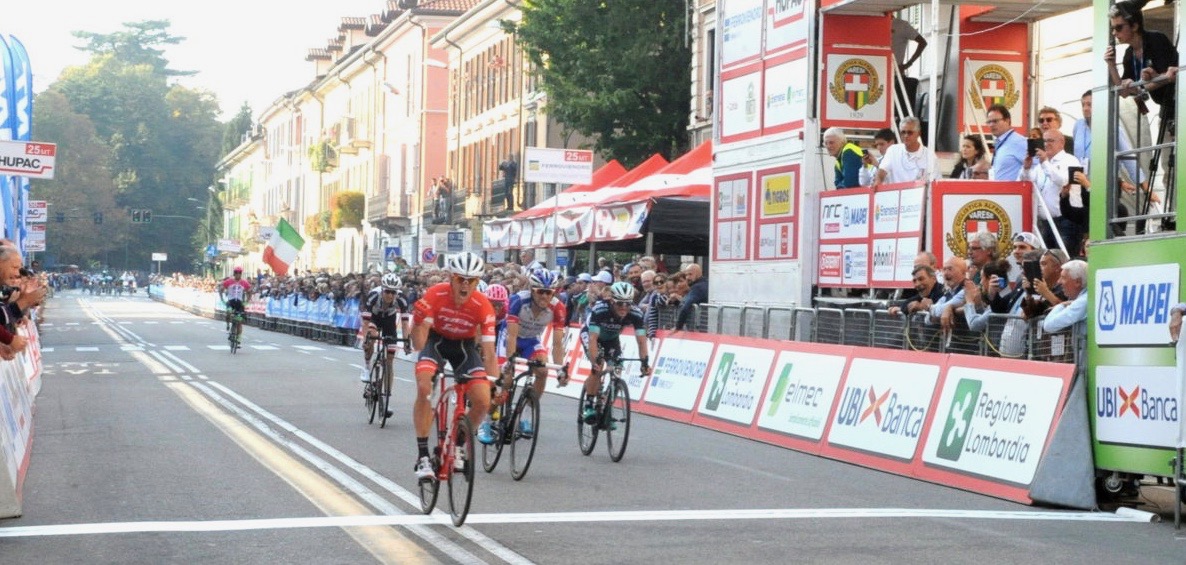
(1134, 303)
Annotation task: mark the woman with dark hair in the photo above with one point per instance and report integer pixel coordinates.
(1150, 54)
(972, 153)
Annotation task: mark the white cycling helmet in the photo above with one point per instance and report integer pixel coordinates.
(391, 281)
(467, 265)
(622, 290)
(541, 278)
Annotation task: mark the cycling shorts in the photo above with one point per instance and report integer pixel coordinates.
(461, 354)
(605, 349)
(530, 347)
(235, 304)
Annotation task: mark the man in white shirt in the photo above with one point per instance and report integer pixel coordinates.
(1073, 310)
(1049, 175)
(907, 161)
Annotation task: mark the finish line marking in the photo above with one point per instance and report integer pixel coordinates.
(528, 518)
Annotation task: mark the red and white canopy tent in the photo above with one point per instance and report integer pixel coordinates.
(620, 211)
(535, 227)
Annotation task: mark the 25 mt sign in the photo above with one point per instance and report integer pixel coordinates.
(27, 159)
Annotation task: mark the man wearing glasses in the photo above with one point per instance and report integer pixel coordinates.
(1049, 119)
(1049, 176)
(907, 161)
(600, 338)
(1010, 148)
(450, 320)
(530, 313)
(382, 313)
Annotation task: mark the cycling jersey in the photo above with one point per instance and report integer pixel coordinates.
(609, 326)
(385, 317)
(532, 323)
(235, 289)
(472, 318)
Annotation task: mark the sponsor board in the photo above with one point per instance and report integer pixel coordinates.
(855, 264)
(737, 378)
(844, 216)
(885, 255)
(886, 211)
(831, 264)
(679, 371)
(740, 112)
(800, 397)
(1136, 406)
(564, 166)
(37, 212)
(992, 423)
(1133, 304)
(910, 209)
(883, 407)
(27, 159)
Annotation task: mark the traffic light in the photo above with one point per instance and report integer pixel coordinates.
(137, 216)
(60, 217)
(98, 217)
(146, 216)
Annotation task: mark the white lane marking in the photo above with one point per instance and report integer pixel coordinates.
(176, 348)
(177, 322)
(151, 322)
(86, 348)
(181, 362)
(129, 347)
(160, 356)
(71, 323)
(328, 358)
(309, 348)
(46, 324)
(263, 347)
(377, 502)
(545, 518)
(47, 350)
(220, 347)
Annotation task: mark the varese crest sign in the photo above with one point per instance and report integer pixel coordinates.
(856, 84)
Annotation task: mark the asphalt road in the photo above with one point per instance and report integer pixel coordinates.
(152, 444)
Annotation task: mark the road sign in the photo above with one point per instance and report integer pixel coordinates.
(27, 159)
(211, 251)
(455, 242)
(37, 212)
(427, 255)
(391, 253)
(160, 256)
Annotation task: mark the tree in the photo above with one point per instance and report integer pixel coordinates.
(233, 134)
(162, 139)
(348, 209)
(616, 70)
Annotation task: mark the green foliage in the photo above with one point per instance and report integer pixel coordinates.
(233, 134)
(618, 71)
(318, 226)
(323, 156)
(348, 209)
(160, 141)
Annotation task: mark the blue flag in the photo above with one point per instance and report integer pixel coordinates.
(22, 111)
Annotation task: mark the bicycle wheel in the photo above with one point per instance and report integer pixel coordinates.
(524, 433)
(493, 452)
(234, 342)
(431, 487)
(586, 433)
(617, 419)
(372, 394)
(461, 481)
(384, 403)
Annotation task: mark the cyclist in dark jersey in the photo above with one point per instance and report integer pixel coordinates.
(382, 313)
(600, 334)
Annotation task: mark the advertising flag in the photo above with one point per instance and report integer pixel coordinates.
(283, 247)
(22, 123)
(8, 123)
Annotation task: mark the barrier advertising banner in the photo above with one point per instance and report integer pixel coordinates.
(802, 392)
(883, 406)
(738, 379)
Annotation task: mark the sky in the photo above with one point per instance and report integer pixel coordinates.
(244, 50)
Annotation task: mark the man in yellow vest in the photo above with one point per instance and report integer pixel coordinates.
(848, 157)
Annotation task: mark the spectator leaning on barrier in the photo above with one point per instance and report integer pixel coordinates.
(927, 291)
(909, 160)
(955, 271)
(848, 158)
(697, 294)
(982, 250)
(1074, 310)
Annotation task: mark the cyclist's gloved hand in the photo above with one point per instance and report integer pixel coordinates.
(562, 377)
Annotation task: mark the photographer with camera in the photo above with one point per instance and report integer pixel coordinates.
(1049, 175)
(19, 294)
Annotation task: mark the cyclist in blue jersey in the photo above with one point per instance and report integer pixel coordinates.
(600, 334)
(530, 313)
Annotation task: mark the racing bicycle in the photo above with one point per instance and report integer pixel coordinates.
(516, 420)
(234, 332)
(612, 405)
(376, 393)
(453, 455)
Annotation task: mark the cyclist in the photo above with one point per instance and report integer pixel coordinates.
(450, 321)
(381, 313)
(531, 312)
(600, 334)
(497, 295)
(234, 290)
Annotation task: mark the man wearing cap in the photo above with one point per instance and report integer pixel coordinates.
(234, 290)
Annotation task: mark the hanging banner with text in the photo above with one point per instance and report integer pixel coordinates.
(562, 166)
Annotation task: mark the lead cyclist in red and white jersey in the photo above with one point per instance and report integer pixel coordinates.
(235, 291)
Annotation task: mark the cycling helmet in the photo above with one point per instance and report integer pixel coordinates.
(622, 291)
(483, 286)
(542, 278)
(496, 293)
(467, 265)
(391, 281)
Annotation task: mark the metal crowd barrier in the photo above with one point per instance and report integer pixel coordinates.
(1006, 336)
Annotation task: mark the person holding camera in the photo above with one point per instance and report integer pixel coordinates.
(19, 294)
(1050, 173)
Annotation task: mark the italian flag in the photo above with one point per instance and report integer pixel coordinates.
(282, 248)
